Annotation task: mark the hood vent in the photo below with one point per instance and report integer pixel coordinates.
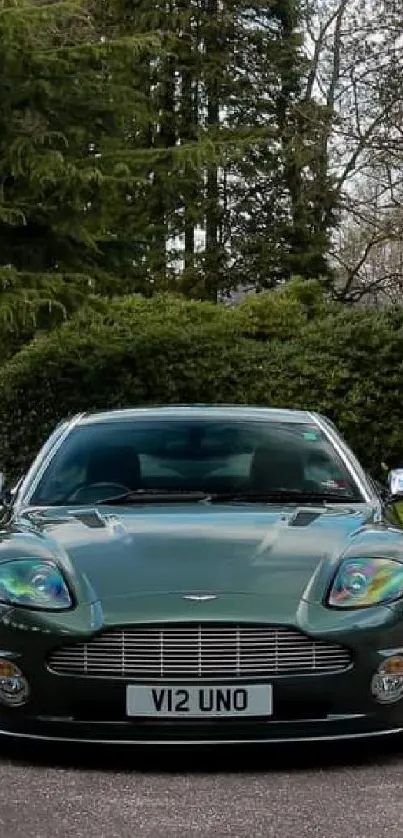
(304, 517)
(91, 518)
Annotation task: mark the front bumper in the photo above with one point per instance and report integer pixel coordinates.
(349, 727)
(314, 707)
(308, 708)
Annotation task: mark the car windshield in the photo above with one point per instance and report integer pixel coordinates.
(103, 460)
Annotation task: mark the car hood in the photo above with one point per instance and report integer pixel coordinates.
(235, 551)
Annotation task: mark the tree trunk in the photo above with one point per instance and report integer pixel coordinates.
(213, 260)
(165, 139)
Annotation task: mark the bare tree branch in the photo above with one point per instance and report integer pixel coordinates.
(355, 51)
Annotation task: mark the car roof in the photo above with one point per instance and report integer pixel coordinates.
(224, 412)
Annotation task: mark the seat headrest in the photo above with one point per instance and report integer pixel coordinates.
(276, 468)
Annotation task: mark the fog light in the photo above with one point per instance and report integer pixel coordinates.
(14, 688)
(387, 683)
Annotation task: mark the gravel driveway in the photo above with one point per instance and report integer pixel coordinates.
(336, 792)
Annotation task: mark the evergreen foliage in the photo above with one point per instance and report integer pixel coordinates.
(127, 127)
(281, 349)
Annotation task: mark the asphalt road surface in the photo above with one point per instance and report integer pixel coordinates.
(329, 792)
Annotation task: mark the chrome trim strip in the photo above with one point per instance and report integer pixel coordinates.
(332, 737)
(333, 439)
(227, 680)
(30, 487)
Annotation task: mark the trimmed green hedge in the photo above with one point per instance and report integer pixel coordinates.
(282, 349)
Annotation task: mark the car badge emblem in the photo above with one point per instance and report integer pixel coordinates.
(200, 598)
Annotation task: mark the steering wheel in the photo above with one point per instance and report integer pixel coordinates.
(105, 488)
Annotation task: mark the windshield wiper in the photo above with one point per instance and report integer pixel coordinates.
(155, 496)
(283, 496)
(198, 496)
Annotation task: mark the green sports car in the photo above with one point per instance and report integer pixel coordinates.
(186, 575)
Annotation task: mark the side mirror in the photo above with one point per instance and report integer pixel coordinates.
(395, 481)
(2, 482)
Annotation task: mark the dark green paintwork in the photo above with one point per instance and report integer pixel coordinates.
(265, 564)
(238, 551)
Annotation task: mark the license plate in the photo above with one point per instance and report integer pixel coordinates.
(200, 702)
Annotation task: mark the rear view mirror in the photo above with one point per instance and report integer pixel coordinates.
(395, 480)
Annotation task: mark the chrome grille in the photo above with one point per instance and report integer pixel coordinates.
(199, 651)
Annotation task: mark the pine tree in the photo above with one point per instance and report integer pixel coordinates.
(66, 103)
(277, 203)
(126, 128)
(232, 84)
(85, 156)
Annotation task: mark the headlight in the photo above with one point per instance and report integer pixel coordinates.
(360, 583)
(34, 584)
